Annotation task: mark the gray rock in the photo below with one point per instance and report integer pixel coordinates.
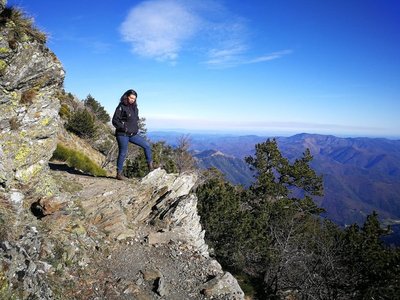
(30, 78)
(2, 4)
(225, 286)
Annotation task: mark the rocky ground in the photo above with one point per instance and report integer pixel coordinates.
(107, 239)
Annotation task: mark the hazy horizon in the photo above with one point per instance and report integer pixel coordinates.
(217, 132)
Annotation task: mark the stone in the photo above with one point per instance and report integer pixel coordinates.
(151, 275)
(29, 119)
(225, 285)
(161, 286)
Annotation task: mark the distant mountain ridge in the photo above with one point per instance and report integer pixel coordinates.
(360, 174)
(235, 169)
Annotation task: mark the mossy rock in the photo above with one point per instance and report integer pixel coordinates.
(4, 50)
(3, 66)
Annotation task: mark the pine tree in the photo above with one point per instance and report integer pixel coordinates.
(98, 110)
(82, 123)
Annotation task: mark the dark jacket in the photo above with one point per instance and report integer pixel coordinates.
(125, 119)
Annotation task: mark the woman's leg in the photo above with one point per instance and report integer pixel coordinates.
(122, 151)
(141, 142)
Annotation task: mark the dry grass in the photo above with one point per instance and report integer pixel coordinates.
(14, 123)
(28, 96)
(21, 27)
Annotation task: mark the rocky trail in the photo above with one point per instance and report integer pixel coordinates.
(107, 239)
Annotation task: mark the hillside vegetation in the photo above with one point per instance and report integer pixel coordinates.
(271, 236)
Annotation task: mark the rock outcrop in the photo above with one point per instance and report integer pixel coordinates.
(30, 78)
(67, 235)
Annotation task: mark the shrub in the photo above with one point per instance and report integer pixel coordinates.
(82, 123)
(21, 26)
(65, 98)
(77, 160)
(65, 112)
(163, 156)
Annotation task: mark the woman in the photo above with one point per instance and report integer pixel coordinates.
(125, 120)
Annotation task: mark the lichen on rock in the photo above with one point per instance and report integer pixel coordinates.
(30, 77)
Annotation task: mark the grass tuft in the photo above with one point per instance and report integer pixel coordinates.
(28, 96)
(14, 123)
(77, 160)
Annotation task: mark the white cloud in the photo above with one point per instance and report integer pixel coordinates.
(159, 28)
(162, 29)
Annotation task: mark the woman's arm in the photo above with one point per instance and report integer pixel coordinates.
(117, 119)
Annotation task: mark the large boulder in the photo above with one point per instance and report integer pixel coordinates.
(31, 76)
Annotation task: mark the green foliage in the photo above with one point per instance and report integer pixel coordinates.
(6, 290)
(82, 123)
(271, 234)
(77, 160)
(142, 126)
(373, 268)
(65, 98)
(277, 178)
(21, 28)
(65, 112)
(163, 156)
(97, 109)
(136, 167)
(221, 216)
(3, 66)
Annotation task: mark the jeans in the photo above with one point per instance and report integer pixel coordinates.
(123, 141)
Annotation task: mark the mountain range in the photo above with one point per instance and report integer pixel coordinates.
(235, 169)
(360, 174)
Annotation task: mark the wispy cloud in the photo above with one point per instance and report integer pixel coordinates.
(235, 57)
(163, 29)
(268, 57)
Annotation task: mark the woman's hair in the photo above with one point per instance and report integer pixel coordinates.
(124, 97)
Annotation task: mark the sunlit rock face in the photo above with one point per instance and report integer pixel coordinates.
(31, 76)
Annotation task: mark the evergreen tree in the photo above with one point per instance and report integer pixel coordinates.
(373, 269)
(163, 156)
(98, 110)
(222, 218)
(273, 234)
(82, 123)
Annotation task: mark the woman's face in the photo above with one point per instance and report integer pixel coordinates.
(131, 98)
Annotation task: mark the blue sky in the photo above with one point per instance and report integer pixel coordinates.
(262, 66)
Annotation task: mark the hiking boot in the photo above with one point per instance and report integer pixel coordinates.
(120, 176)
(150, 166)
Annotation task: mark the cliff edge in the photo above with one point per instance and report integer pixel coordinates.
(68, 235)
